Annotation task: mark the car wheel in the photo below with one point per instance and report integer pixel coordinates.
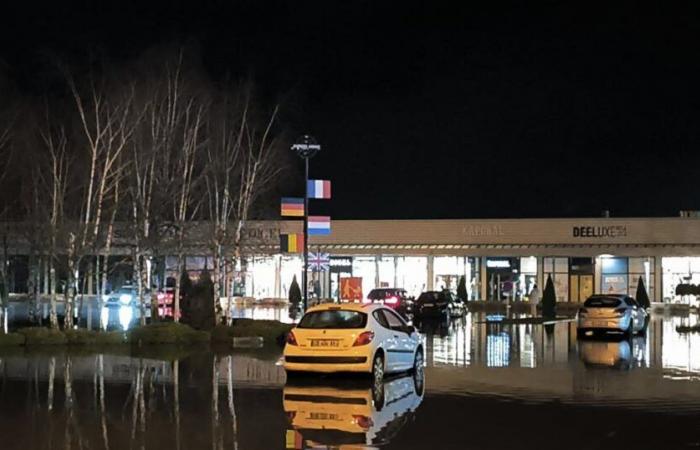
(378, 368)
(418, 362)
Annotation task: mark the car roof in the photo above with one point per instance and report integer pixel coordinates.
(362, 307)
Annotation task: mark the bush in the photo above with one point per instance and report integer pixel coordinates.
(270, 330)
(43, 336)
(642, 297)
(89, 337)
(11, 339)
(294, 292)
(166, 333)
(549, 299)
(462, 293)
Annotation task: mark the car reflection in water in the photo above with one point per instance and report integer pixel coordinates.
(623, 354)
(350, 412)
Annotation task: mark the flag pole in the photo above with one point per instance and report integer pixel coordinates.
(304, 275)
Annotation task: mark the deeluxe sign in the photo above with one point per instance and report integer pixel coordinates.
(612, 231)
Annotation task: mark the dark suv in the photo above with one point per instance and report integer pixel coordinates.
(395, 298)
(440, 304)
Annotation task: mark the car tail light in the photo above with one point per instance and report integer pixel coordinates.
(291, 339)
(364, 338)
(363, 421)
(391, 300)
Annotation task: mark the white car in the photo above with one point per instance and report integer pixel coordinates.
(351, 337)
(612, 313)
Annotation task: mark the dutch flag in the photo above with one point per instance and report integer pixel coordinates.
(319, 225)
(319, 188)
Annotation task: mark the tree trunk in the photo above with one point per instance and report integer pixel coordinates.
(137, 276)
(178, 281)
(53, 315)
(217, 284)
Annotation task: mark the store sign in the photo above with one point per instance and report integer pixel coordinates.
(498, 264)
(612, 231)
(341, 264)
(483, 230)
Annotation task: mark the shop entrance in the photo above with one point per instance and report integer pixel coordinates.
(580, 279)
(580, 287)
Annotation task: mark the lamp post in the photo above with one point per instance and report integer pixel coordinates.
(306, 147)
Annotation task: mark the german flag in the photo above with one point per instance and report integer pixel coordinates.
(292, 207)
(292, 243)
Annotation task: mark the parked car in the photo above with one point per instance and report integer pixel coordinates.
(438, 304)
(353, 337)
(353, 414)
(395, 298)
(611, 313)
(127, 295)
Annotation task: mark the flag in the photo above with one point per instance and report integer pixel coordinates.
(292, 243)
(320, 262)
(319, 225)
(292, 207)
(319, 188)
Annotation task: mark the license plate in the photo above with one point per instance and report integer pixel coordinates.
(323, 416)
(325, 342)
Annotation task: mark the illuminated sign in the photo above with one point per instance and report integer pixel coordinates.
(498, 263)
(613, 231)
(483, 230)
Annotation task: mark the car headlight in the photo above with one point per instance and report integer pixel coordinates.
(125, 298)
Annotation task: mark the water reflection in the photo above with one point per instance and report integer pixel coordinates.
(350, 413)
(619, 354)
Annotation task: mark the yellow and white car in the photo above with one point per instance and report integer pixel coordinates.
(350, 415)
(367, 338)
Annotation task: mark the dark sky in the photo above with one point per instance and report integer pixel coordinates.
(520, 109)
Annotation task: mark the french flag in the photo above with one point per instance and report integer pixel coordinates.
(319, 188)
(319, 225)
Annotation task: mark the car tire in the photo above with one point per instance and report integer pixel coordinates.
(418, 361)
(378, 367)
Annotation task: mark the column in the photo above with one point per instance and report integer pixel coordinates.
(431, 274)
(484, 278)
(396, 271)
(658, 294)
(377, 258)
(278, 277)
(598, 277)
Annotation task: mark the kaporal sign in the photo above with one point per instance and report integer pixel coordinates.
(612, 231)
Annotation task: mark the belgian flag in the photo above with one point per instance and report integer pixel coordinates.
(292, 243)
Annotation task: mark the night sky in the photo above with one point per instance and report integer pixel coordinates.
(492, 110)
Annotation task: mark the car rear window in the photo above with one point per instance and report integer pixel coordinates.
(428, 297)
(603, 302)
(334, 318)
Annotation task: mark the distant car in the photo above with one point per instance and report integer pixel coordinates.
(438, 304)
(394, 298)
(611, 313)
(126, 295)
(353, 338)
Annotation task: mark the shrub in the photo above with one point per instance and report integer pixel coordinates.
(294, 292)
(462, 293)
(549, 299)
(641, 296)
(11, 339)
(43, 336)
(90, 337)
(166, 333)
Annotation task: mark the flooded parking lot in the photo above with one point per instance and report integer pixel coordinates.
(486, 385)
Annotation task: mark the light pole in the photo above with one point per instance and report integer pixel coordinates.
(306, 147)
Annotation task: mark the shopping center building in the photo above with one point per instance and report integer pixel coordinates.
(500, 259)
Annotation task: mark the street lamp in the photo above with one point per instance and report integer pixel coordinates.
(306, 147)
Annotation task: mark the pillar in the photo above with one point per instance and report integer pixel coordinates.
(431, 274)
(396, 271)
(598, 276)
(484, 285)
(540, 274)
(658, 294)
(376, 270)
(278, 277)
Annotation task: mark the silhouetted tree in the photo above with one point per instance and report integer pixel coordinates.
(462, 293)
(549, 299)
(294, 292)
(641, 296)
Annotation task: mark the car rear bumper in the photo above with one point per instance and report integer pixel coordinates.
(355, 360)
(603, 324)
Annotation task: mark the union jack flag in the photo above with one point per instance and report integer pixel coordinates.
(319, 262)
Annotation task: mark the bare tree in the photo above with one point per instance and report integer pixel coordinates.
(241, 165)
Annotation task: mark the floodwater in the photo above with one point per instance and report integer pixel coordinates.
(486, 386)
